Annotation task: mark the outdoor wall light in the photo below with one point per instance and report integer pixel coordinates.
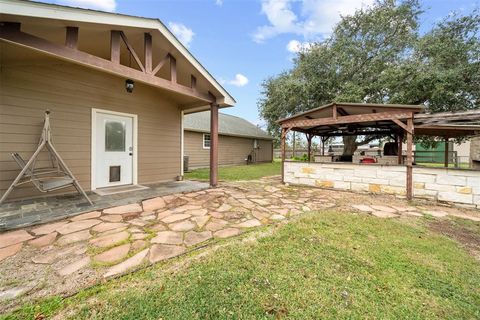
(129, 84)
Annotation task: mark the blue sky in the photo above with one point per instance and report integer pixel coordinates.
(242, 42)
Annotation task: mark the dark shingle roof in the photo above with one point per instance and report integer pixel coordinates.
(227, 125)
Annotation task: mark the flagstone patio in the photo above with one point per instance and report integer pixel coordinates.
(65, 256)
(23, 213)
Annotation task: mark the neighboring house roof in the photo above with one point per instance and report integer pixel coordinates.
(227, 125)
(66, 13)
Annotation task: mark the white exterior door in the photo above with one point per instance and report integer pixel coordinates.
(113, 150)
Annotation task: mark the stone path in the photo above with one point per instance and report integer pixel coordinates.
(64, 256)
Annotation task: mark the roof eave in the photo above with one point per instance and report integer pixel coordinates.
(229, 134)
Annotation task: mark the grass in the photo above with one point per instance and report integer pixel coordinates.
(322, 266)
(236, 173)
(441, 165)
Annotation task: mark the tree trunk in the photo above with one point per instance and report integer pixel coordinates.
(349, 145)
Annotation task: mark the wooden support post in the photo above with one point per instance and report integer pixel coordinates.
(445, 163)
(173, 69)
(282, 146)
(400, 147)
(71, 37)
(335, 112)
(148, 52)
(409, 159)
(309, 146)
(213, 144)
(115, 46)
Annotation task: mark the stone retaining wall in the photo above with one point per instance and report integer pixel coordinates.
(442, 184)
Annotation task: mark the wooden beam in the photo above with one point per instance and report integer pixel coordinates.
(161, 64)
(83, 58)
(173, 69)
(115, 46)
(409, 159)
(334, 111)
(370, 117)
(354, 133)
(401, 124)
(71, 37)
(213, 144)
(132, 51)
(342, 112)
(148, 52)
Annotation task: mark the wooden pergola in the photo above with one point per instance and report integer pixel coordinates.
(367, 119)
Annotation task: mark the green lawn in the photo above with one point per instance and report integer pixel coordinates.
(322, 266)
(235, 173)
(441, 165)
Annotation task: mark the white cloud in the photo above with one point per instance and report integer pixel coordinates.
(105, 5)
(182, 32)
(219, 2)
(313, 18)
(239, 81)
(295, 46)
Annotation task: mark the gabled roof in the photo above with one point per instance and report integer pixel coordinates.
(66, 13)
(227, 125)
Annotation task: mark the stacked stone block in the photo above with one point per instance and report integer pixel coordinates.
(442, 184)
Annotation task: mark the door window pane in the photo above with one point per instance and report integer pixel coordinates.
(114, 136)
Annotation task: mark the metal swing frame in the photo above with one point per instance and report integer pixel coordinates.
(42, 178)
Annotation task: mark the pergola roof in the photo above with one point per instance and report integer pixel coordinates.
(342, 119)
(352, 109)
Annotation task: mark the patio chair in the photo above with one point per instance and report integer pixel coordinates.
(56, 177)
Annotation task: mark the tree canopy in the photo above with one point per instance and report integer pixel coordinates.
(378, 55)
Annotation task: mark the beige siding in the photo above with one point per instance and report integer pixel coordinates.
(231, 150)
(70, 92)
(264, 153)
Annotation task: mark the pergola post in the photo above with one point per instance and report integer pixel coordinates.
(400, 147)
(409, 158)
(282, 146)
(213, 144)
(309, 145)
(446, 153)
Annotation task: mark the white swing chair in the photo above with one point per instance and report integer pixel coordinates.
(56, 177)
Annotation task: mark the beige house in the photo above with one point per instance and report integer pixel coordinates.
(117, 87)
(239, 141)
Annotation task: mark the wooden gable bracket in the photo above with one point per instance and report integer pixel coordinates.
(11, 33)
(161, 64)
(402, 125)
(173, 67)
(132, 51)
